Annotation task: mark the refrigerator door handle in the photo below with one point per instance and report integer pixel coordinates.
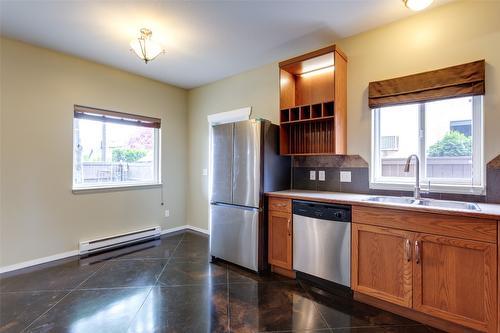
(222, 204)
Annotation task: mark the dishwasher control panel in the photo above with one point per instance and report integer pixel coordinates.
(323, 211)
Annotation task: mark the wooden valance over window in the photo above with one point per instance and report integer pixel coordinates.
(456, 81)
(84, 112)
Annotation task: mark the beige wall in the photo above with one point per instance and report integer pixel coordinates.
(39, 214)
(446, 36)
(449, 35)
(258, 89)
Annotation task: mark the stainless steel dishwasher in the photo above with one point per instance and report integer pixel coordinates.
(322, 241)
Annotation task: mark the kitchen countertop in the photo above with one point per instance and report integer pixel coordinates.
(488, 211)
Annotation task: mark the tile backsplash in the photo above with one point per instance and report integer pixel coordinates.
(493, 180)
(360, 178)
(332, 165)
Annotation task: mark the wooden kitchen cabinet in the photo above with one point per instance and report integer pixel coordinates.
(441, 276)
(280, 239)
(313, 103)
(381, 263)
(455, 279)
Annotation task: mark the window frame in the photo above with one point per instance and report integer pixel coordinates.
(443, 185)
(156, 182)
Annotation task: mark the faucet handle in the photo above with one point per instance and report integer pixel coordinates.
(428, 188)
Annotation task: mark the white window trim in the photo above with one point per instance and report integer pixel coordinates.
(436, 185)
(93, 187)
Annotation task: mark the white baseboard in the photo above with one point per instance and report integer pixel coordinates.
(68, 254)
(38, 261)
(170, 230)
(203, 231)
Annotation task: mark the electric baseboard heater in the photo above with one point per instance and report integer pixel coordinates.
(111, 242)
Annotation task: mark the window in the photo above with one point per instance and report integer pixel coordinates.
(447, 136)
(112, 149)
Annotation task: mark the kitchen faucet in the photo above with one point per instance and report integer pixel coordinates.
(416, 192)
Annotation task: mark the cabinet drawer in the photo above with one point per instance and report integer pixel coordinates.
(280, 205)
(431, 223)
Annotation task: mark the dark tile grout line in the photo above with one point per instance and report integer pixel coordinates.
(228, 285)
(315, 306)
(137, 259)
(104, 263)
(190, 285)
(379, 326)
(34, 291)
(169, 259)
(331, 329)
(304, 330)
(156, 282)
(73, 289)
(360, 326)
(62, 298)
(115, 288)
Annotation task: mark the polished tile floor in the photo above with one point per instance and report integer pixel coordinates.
(168, 285)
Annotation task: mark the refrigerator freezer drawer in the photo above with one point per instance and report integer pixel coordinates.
(234, 234)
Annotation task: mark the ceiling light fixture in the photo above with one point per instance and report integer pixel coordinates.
(417, 5)
(145, 48)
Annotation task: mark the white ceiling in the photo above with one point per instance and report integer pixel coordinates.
(204, 41)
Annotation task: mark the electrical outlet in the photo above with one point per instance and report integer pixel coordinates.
(321, 175)
(167, 213)
(345, 176)
(204, 172)
(312, 175)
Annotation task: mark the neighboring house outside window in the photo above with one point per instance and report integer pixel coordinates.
(447, 135)
(112, 149)
(462, 126)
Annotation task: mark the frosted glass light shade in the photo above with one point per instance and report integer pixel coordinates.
(417, 5)
(145, 48)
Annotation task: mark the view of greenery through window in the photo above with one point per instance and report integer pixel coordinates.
(454, 143)
(442, 131)
(108, 153)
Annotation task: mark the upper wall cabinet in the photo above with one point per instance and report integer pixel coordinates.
(313, 103)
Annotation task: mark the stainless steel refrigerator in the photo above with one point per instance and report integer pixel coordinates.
(245, 164)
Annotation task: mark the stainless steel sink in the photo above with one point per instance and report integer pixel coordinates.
(426, 202)
(448, 204)
(397, 200)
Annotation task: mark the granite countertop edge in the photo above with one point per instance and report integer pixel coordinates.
(488, 211)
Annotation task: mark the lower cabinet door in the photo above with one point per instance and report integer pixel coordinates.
(280, 239)
(455, 279)
(382, 263)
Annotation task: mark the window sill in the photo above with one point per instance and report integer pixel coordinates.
(113, 188)
(434, 188)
